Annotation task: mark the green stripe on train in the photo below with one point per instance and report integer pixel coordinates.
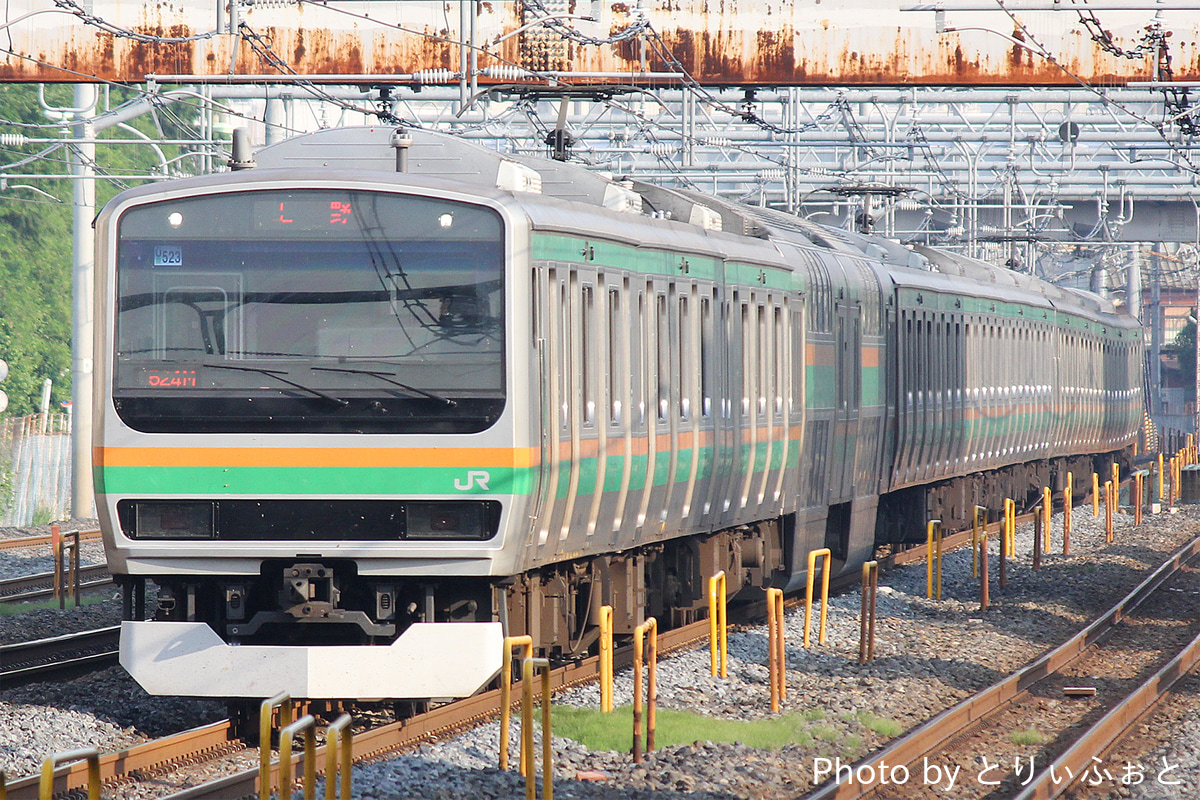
(298, 481)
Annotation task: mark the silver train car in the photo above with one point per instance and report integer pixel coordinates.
(385, 397)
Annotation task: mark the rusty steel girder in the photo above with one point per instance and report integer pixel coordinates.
(729, 42)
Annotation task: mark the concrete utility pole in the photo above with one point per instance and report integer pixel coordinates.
(83, 168)
(1133, 287)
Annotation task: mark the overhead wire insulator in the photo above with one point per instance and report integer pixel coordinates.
(436, 76)
(505, 72)
(13, 139)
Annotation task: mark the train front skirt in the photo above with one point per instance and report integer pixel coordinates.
(438, 660)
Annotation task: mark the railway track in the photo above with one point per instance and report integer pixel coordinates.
(1079, 699)
(36, 587)
(59, 656)
(40, 541)
(219, 740)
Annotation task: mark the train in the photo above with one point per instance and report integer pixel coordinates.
(376, 398)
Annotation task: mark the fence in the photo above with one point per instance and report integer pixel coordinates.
(35, 469)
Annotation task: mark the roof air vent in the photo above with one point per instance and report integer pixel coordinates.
(514, 177)
(705, 217)
(621, 199)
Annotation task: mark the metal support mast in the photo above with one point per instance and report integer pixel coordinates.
(83, 163)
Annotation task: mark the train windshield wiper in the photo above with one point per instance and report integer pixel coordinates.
(387, 378)
(278, 375)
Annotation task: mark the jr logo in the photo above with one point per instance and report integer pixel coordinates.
(474, 477)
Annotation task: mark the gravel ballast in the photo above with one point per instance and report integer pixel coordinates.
(929, 654)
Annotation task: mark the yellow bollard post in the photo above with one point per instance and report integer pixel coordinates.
(284, 701)
(718, 627)
(1068, 513)
(1095, 495)
(46, 785)
(1010, 528)
(528, 666)
(308, 726)
(827, 564)
(1047, 515)
(650, 628)
(339, 756)
(510, 643)
(1116, 479)
(606, 659)
(1136, 489)
(1109, 510)
(1174, 489)
(933, 557)
(1161, 495)
(776, 667)
(976, 529)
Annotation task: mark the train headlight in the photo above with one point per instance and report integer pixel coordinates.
(169, 520)
(451, 521)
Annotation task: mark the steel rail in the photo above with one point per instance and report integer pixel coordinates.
(26, 662)
(32, 587)
(37, 541)
(146, 759)
(1111, 728)
(924, 740)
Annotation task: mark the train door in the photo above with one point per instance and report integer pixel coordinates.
(656, 403)
(847, 399)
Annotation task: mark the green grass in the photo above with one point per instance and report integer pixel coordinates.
(614, 731)
(887, 728)
(12, 609)
(1026, 737)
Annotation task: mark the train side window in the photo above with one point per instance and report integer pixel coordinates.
(764, 355)
(663, 350)
(587, 318)
(780, 371)
(706, 355)
(686, 369)
(561, 355)
(616, 357)
(747, 360)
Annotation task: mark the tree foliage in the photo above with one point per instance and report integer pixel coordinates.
(35, 241)
(35, 267)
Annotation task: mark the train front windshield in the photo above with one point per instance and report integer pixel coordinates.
(309, 311)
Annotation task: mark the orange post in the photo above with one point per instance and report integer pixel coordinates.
(976, 529)
(1047, 514)
(866, 633)
(984, 592)
(776, 666)
(1095, 495)
(718, 628)
(511, 643)
(606, 659)
(648, 628)
(528, 666)
(1161, 495)
(813, 555)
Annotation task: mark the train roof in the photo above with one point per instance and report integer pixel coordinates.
(543, 184)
